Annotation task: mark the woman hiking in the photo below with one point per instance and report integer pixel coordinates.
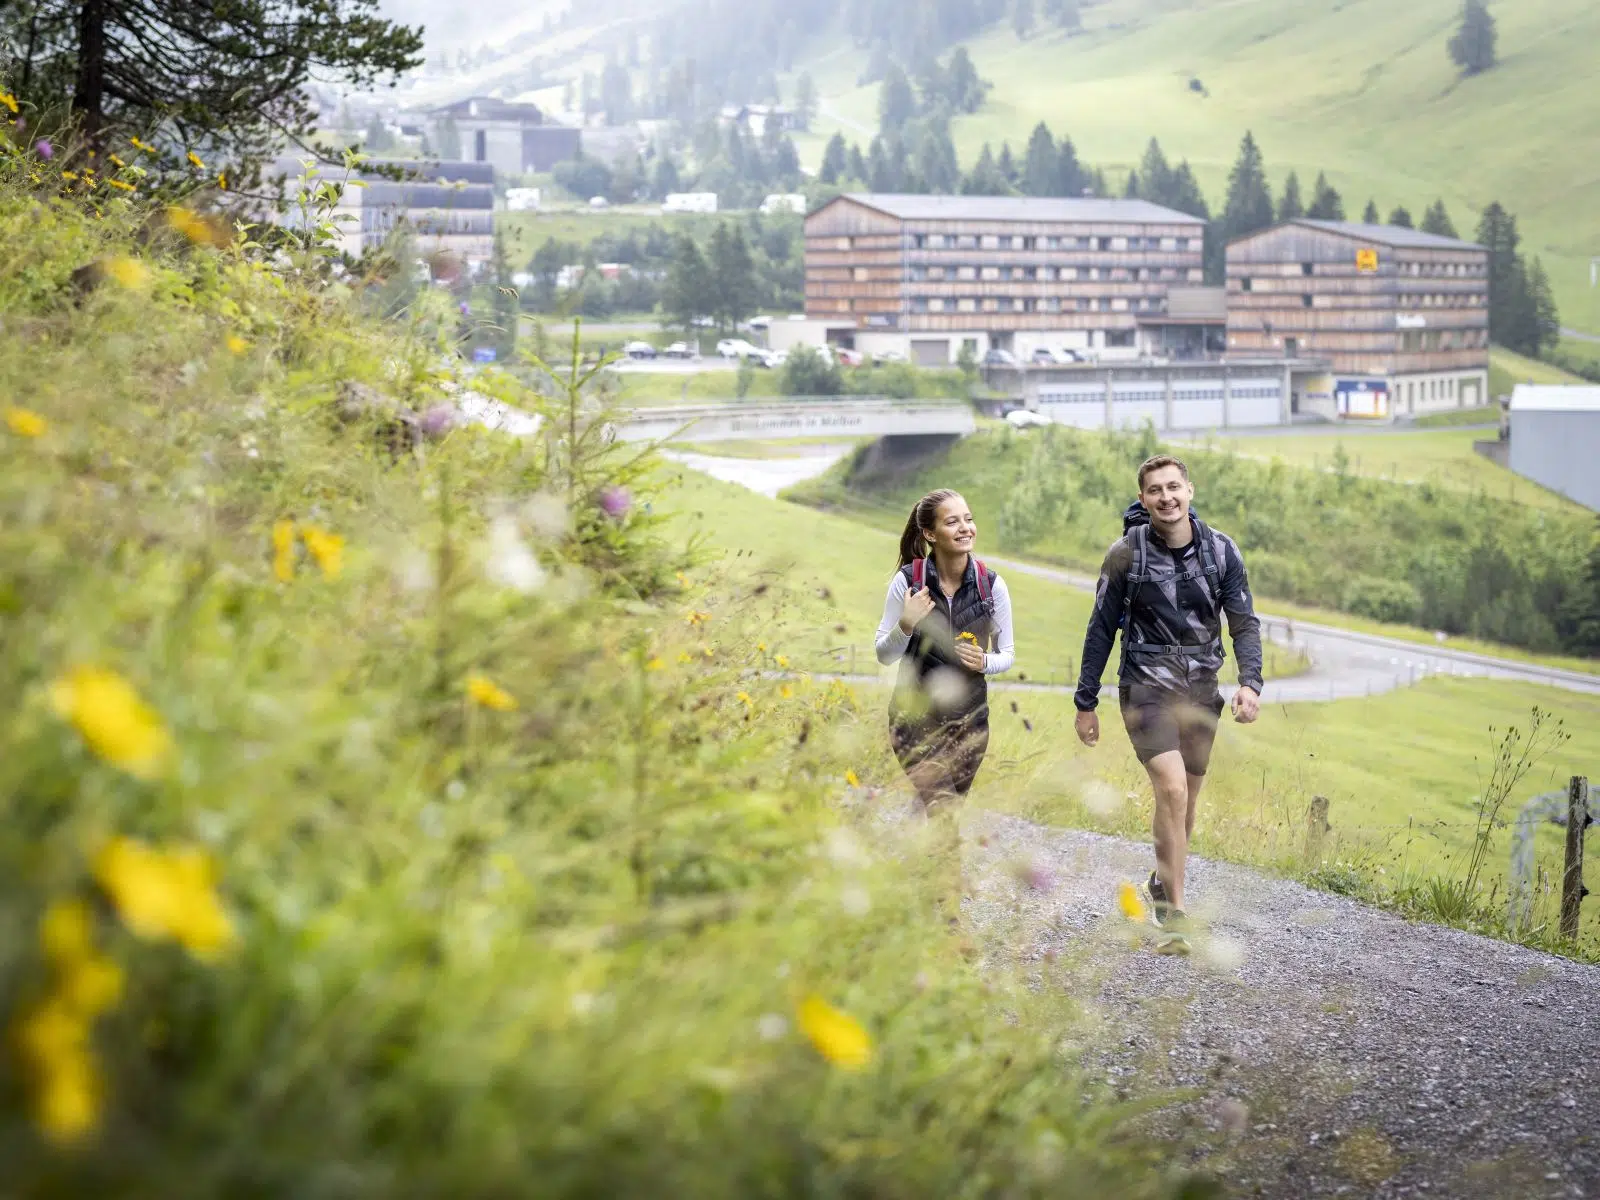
(947, 622)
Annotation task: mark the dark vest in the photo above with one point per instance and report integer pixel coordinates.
(933, 645)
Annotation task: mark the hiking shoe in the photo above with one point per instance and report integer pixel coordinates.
(1155, 898)
(1175, 940)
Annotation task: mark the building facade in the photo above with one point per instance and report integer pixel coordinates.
(1402, 317)
(514, 138)
(927, 276)
(1555, 440)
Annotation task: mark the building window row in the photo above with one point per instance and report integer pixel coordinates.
(1043, 304)
(1460, 270)
(1440, 300)
(921, 274)
(1415, 340)
(990, 241)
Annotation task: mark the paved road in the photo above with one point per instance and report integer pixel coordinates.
(1344, 664)
(1580, 337)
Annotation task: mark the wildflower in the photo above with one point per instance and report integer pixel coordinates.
(851, 778)
(66, 932)
(761, 647)
(44, 148)
(655, 664)
(707, 651)
(484, 692)
(222, 180)
(129, 272)
(26, 423)
(1128, 901)
(126, 187)
(683, 580)
(782, 660)
(615, 501)
(786, 692)
(8, 100)
(968, 637)
(91, 986)
(326, 548)
(744, 698)
(165, 894)
(684, 657)
(70, 176)
(236, 344)
(116, 160)
(837, 1036)
(283, 550)
(145, 146)
(113, 720)
(697, 618)
(69, 1102)
(194, 160)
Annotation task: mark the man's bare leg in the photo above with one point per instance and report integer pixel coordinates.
(1174, 818)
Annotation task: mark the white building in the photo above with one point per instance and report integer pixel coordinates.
(690, 202)
(1555, 440)
(784, 202)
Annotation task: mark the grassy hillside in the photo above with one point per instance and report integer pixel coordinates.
(1362, 89)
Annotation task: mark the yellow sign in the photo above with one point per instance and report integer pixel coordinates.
(1366, 260)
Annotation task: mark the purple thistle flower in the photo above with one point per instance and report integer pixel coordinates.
(439, 420)
(616, 501)
(45, 149)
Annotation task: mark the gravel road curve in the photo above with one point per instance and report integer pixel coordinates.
(1334, 1050)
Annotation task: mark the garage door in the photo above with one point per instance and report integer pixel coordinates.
(931, 353)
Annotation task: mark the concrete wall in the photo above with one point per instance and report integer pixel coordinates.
(821, 418)
(1559, 450)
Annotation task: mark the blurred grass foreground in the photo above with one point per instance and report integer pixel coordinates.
(393, 808)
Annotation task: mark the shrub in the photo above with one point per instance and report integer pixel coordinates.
(1392, 600)
(807, 373)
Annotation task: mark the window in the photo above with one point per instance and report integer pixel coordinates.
(1119, 243)
(1246, 284)
(842, 244)
(1094, 272)
(1044, 274)
(936, 304)
(1196, 275)
(936, 241)
(936, 273)
(991, 273)
(1067, 273)
(919, 304)
(480, 146)
(966, 272)
(990, 242)
(991, 304)
(1308, 268)
(1050, 304)
(1119, 304)
(1119, 337)
(859, 274)
(966, 242)
(966, 304)
(1306, 299)
(1021, 305)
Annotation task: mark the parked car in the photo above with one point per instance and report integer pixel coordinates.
(847, 357)
(884, 357)
(1026, 418)
(999, 358)
(599, 202)
(639, 350)
(1043, 356)
(738, 348)
(759, 323)
(772, 359)
(679, 350)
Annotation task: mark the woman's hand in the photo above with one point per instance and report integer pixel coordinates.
(971, 655)
(917, 607)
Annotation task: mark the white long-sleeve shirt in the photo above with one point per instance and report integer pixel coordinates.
(892, 641)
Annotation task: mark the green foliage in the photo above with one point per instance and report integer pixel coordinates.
(1486, 568)
(1472, 46)
(553, 949)
(807, 373)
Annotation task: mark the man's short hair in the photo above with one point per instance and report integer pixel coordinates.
(1159, 461)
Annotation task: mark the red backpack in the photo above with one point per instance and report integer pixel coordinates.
(919, 577)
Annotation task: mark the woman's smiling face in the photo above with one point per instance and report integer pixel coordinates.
(954, 531)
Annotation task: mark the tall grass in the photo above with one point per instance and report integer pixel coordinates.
(530, 881)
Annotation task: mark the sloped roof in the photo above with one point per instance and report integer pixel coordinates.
(1019, 208)
(1395, 236)
(1528, 397)
(487, 108)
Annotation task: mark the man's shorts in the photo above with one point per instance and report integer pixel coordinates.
(1159, 720)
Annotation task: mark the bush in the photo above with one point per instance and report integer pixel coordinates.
(807, 373)
(472, 849)
(1392, 600)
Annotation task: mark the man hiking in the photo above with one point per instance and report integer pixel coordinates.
(1166, 583)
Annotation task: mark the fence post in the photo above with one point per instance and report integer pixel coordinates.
(1572, 889)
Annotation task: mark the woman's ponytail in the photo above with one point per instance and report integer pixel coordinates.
(912, 544)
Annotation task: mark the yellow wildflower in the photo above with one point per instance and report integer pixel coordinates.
(967, 637)
(66, 932)
(118, 726)
(193, 226)
(236, 344)
(683, 657)
(283, 550)
(485, 692)
(126, 187)
(145, 146)
(168, 894)
(50, 1033)
(697, 618)
(116, 160)
(222, 180)
(129, 272)
(91, 986)
(851, 778)
(782, 660)
(786, 692)
(25, 423)
(683, 580)
(761, 647)
(71, 176)
(707, 651)
(837, 1036)
(744, 698)
(327, 548)
(69, 1101)
(194, 160)
(1128, 901)
(655, 664)
(8, 100)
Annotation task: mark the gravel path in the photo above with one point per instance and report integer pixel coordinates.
(1334, 1050)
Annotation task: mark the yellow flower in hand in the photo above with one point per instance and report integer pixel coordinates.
(837, 1036)
(113, 720)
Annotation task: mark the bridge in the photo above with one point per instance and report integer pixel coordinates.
(764, 420)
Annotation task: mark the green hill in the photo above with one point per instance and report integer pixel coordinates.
(1363, 89)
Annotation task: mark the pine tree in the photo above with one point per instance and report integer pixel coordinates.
(1070, 180)
(1401, 216)
(733, 276)
(965, 90)
(1022, 18)
(1040, 165)
(1186, 195)
(1248, 206)
(858, 165)
(1290, 206)
(985, 178)
(1543, 317)
(1155, 175)
(835, 160)
(1437, 221)
(897, 103)
(666, 179)
(805, 100)
(1472, 48)
(1497, 231)
(936, 161)
(1326, 203)
(1131, 186)
(1370, 215)
(1007, 165)
(687, 293)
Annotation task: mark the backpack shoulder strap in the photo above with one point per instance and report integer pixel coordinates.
(1208, 552)
(1139, 569)
(919, 574)
(984, 583)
